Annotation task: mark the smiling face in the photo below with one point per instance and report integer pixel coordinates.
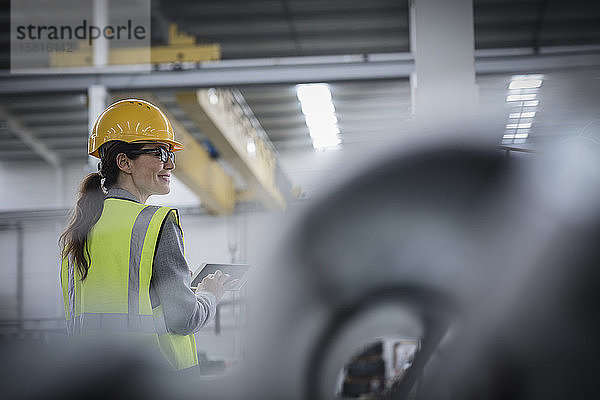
(149, 175)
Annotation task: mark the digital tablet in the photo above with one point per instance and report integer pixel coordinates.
(235, 271)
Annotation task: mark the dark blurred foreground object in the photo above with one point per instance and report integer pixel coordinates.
(534, 335)
(543, 343)
(490, 261)
(99, 370)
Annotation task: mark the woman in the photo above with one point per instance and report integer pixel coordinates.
(123, 267)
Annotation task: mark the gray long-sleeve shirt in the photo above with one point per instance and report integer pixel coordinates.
(185, 312)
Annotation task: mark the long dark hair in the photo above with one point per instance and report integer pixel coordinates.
(90, 203)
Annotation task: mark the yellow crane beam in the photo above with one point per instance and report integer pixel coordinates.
(222, 120)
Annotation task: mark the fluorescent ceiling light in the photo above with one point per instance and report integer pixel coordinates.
(319, 114)
(526, 77)
(313, 92)
(520, 97)
(317, 106)
(251, 147)
(321, 120)
(522, 125)
(212, 96)
(529, 114)
(520, 119)
(326, 143)
(324, 131)
(525, 84)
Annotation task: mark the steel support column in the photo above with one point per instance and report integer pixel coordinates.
(100, 46)
(98, 98)
(442, 42)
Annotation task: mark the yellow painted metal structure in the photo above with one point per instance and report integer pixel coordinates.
(181, 48)
(223, 121)
(203, 175)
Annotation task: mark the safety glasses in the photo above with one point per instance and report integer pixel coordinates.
(159, 152)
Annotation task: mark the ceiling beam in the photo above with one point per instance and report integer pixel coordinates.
(288, 70)
(30, 139)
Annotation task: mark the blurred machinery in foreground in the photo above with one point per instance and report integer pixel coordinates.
(489, 262)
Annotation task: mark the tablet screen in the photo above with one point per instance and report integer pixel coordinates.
(236, 271)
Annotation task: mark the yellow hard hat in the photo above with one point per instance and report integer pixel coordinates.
(131, 120)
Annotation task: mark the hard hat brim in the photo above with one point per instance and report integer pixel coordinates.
(175, 145)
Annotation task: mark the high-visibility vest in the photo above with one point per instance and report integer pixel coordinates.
(115, 296)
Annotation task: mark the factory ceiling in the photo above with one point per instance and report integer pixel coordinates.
(361, 48)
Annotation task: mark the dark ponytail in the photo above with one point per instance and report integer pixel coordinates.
(86, 213)
(90, 203)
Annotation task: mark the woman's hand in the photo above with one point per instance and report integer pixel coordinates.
(216, 284)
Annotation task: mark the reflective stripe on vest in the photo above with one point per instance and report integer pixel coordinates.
(114, 322)
(138, 234)
(71, 291)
